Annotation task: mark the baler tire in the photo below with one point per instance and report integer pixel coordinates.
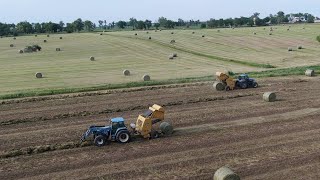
(154, 135)
(255, 85)
(100, 140)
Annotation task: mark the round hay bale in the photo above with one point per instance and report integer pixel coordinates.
(146, 77)
(147, 32)
(288, 29)
(36, 35)
(173, 41)
(310, 72)
(290, 49)
(58, 49)
(225, 173)
(14, 38)
(270, 34)
(44, 41)
(160, 30)
(254, 33)
(203, 35)
(39, 75)
(166, 128)
(193, 32)
(20, 51)
(269, 96)
(92, 58)
(175, 55)
(218, 86)
(172, 32)
(11, 45)
(136, 34)
(264, 28)
(218, 30)
(100, 34)
(171, 57)
(150, 37)
(299, 47)
(48, 35)
(60, 38)
(126, 72)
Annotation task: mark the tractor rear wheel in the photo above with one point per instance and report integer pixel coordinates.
(100, 140)
(123, 137)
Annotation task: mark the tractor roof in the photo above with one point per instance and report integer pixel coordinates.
(118, 119)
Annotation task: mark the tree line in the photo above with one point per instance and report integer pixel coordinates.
(80, 25)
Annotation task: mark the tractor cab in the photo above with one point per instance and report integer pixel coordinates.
(117, 123)
(243, 77)
(244, 82)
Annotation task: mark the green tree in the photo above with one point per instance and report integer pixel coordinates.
(140, 25)
(162, 21)
(310, 18)
(133, 22)
(78, 25)
(24, 27)
(148, 23)
(88, 25)
(121, 24)
(156, 25)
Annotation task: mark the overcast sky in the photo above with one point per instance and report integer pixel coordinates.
(14, 11)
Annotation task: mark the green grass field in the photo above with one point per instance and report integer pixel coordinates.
(237, 50)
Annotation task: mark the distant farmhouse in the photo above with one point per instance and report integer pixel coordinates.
(316, 20)
(295, 19)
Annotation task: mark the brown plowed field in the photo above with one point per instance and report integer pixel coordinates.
(257, 139)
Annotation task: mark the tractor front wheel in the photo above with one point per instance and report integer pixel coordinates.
(123, 137)
(100, 140)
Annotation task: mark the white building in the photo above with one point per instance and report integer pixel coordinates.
(295, 19)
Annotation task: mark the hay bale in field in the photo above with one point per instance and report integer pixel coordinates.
(20, 51)
(39, 75)
(172, 32)
(60, 37)
(92, 58)
(58, 49)
(173, 41)
(126, 72)
(14, 38)
(147, 32)
(270, 34)
(288, 29)
(146, 77)
(254, 33)
(36, 35)
(299, 47)
(218, 30)
(48, 35)
(100, 34)
(219, 86)
(171, 57)
(166, 128)
(225, 173)
(203, 35)
(264, 28)
(269, 96)
(290, 49)
(175, 55)
(11, 45)
(150, 37)
(136, 34)
(44, 41)
(310, 72)
(193, 32)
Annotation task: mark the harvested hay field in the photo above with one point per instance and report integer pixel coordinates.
(40, 136)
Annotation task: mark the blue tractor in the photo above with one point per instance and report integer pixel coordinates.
(244, 82)
(116, 131)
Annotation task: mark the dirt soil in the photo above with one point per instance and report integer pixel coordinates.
(257, 139)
